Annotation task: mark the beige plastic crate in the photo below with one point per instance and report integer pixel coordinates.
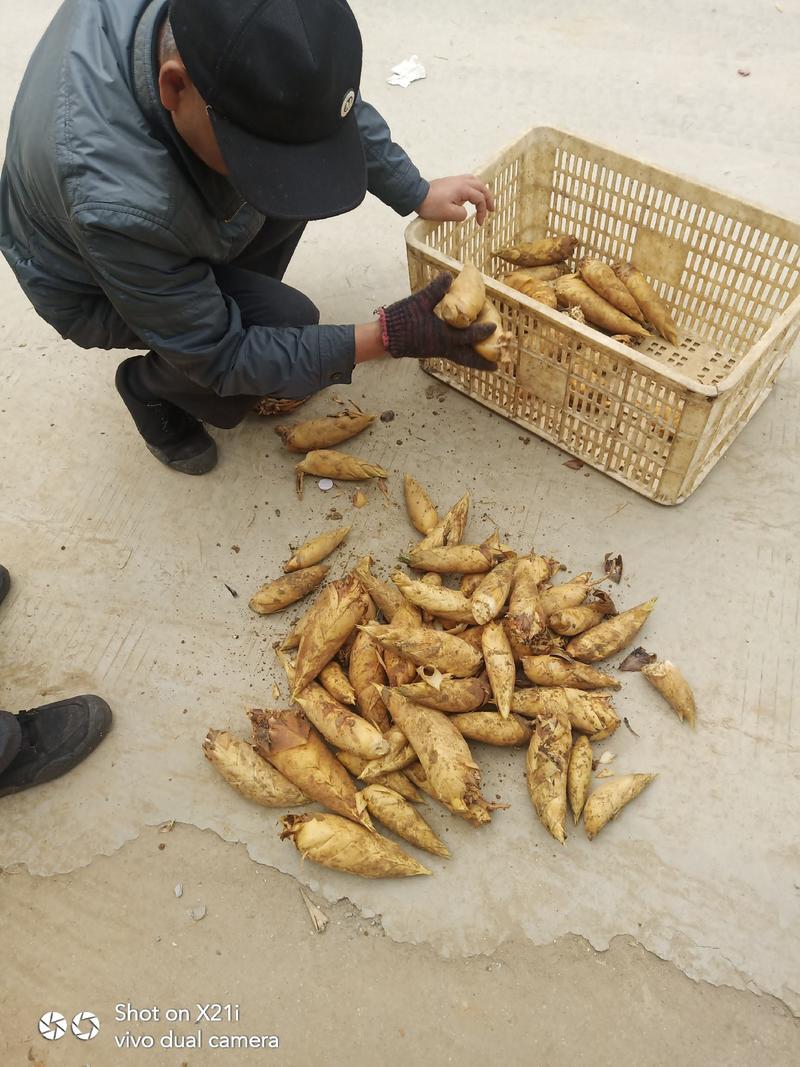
(657, 417)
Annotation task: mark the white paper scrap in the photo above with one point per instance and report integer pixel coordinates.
(410, 70)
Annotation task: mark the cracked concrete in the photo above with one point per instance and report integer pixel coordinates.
(348, 995)
(120, 568)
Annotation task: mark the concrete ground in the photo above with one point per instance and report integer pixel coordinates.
(673, 935)
(350, 995)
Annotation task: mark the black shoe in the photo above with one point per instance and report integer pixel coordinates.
(55, 738)
(10, 739)
(5, 583)
(174, 437)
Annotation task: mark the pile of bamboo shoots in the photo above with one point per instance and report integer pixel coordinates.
(614, 297)
(392, 682)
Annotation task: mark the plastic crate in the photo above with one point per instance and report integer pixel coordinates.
(657, 417)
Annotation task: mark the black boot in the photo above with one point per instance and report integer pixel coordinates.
(5, 583)
(174, 437)
(10, 740)
(52, 740)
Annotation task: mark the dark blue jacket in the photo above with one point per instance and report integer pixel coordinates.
(111, 224)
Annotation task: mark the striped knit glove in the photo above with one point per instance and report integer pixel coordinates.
(409, 328)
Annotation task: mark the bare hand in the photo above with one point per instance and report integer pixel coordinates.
(447, 196)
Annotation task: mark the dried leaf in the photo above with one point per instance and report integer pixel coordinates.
(599, 596)
(285, 730)
(359, 499)
(166, 827)
(612, 565)
(319, 919)
(276, 692)
(574, 464)
(605, 773)
(637, 659)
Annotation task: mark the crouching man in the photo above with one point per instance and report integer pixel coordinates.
(162, 163)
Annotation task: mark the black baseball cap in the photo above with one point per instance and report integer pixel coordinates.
(280, 80)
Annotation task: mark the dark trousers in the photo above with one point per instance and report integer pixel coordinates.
(254, 282)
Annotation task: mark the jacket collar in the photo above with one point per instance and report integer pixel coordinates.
(219, 195)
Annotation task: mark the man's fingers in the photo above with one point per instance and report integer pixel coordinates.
(476, 183)
(473, 360)
(465, 337)
(446, 197)
(455, 211)
(436, 289)
(477, 196)
(462, 340)
(479, 331)
(484, 191)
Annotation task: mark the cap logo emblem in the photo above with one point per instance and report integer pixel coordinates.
(347, 103)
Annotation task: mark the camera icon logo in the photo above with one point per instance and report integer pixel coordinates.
(85, 1025)
(52, 1026)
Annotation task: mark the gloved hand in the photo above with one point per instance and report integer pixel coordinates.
(410, 328)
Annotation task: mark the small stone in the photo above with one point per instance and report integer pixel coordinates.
(387, 416)
(325, 484)
(179, 890)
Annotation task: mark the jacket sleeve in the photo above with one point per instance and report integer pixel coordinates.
(173, 303)
(391, 176)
